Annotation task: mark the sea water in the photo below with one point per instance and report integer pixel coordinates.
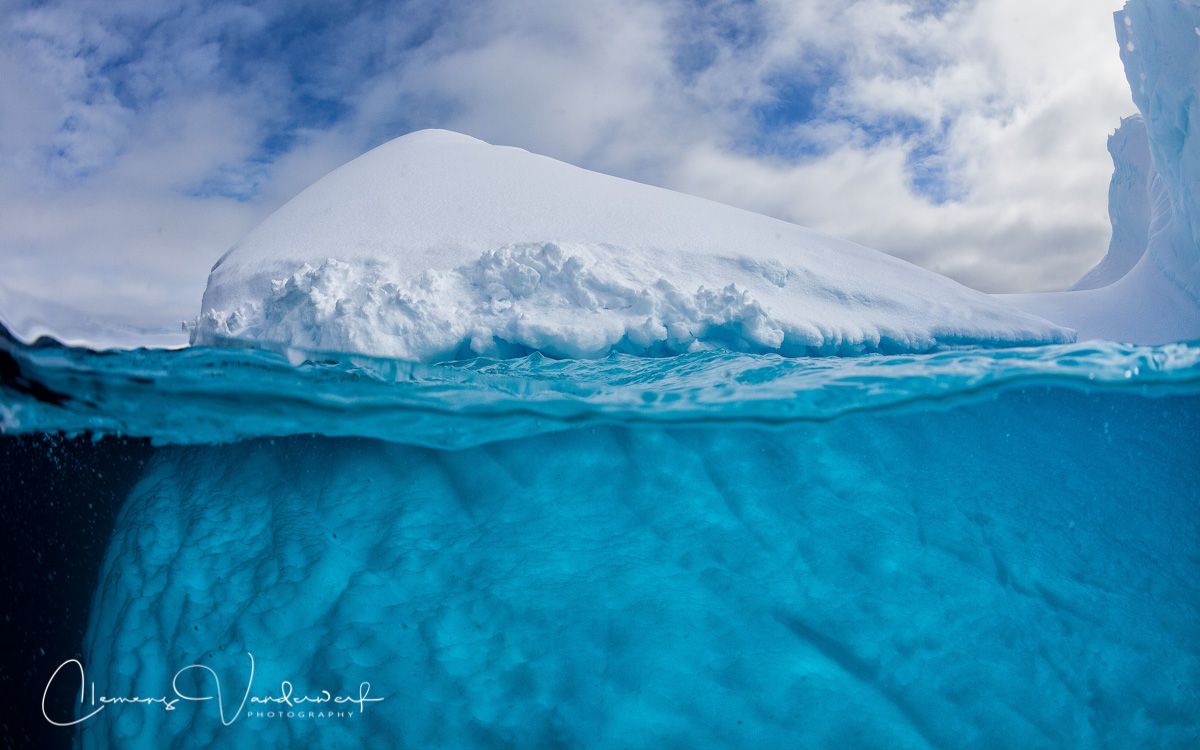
(968, 548)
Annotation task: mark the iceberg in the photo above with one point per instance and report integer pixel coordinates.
(437, 245)
(1147, 289)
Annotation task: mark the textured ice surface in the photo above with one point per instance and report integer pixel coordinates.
(438, 245)
(1159, 298)
(1019, 572)
(1129, 202)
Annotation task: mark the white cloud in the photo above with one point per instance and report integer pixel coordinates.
(1028, 91)
(113, 114)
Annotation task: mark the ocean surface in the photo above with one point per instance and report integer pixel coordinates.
(969, 548)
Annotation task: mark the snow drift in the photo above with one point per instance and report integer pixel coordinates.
(1147, 289)
(437, 245)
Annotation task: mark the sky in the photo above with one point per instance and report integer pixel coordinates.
(140, 139)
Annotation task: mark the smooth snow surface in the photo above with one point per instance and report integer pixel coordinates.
(1158, 300)
(437, 245)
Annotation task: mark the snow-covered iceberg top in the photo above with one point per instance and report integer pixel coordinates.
(437, 245)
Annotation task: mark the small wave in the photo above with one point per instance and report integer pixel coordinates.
(215, 395)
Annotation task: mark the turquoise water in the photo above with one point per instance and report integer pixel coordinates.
(972, 548)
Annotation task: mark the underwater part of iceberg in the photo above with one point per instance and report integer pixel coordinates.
(1017, 572)
(992, 548)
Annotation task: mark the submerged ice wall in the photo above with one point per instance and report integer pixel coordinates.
(1158, 299)
(1016, 573)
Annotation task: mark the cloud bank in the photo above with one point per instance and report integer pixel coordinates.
(138, 140)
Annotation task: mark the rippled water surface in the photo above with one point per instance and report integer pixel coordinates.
(203, 395)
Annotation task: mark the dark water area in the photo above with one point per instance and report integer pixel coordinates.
(58, 499)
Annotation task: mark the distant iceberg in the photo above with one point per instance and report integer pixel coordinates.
(29, 317)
